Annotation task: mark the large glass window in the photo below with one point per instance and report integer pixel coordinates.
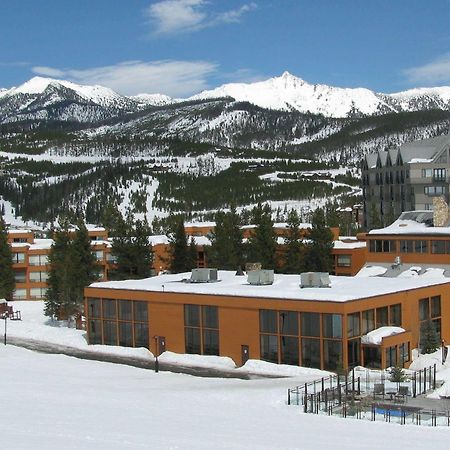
(192, 315)
(353, 325)
(37, 260)
(354, 352)
(435, 306)
(140, 311)
(125, 310)
(421, 246)
(404, 353)
(210, 317)
(109, 332)
(332, 354)
(344, 260)
(289, 350)
(406, 246)
(438, 247)
(391, 356)
(382, 316)
(332, 325)
(311, 353)
(268, 321)
(38, 277)
(141, 335)
(192, 340)
(310, 324)
(424, 309)
(289, 323)
(269, 347)
(210, 342)
(395, 315)
(95, 332)
(18, 258)
(368, 321)
(20, 276)
(125, 334)
(94, 307)
(109, 309)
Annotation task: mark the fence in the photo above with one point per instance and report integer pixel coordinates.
(355, 395)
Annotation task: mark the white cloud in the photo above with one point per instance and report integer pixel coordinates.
(181, 16)
(437, 71)
(173, 78)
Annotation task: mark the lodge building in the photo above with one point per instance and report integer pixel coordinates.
(366, 320)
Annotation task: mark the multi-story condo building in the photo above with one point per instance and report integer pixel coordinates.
(405, 179)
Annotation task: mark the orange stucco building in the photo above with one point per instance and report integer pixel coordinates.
(371, 321)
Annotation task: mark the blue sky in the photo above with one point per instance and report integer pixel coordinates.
(180, 47)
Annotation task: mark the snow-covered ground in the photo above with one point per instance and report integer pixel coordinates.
(58, 402)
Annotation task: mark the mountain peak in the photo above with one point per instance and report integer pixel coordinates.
(35, 85)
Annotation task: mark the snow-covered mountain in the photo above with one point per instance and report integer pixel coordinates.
(289, 92)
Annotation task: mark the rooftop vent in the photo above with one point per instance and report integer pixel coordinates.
(314, 279)
(203, 276)
(260, 277)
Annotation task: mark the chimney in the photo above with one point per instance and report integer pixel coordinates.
(440, 211)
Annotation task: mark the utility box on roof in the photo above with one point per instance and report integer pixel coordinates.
(203, 275)
(260, 277)
(314, 279)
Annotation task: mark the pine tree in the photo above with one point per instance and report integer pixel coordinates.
(263, 242)
(226, 250)
(131, 249)
(429, 337)
(7, 283)
(57, 273)
(397, 374)
(294, 246)
(320, 243)
(178, 248)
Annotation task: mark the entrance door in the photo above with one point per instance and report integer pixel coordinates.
(245, 353)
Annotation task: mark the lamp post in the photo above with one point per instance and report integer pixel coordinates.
(443, 351)
(156, 338)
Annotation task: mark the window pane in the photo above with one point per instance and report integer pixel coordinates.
(310, 324)
(353, 325)
(424, 312)
(192, 315)
(210, 317)
(192, 336)
(311, 353)
(354, 352)
(382, 317)
(110, 332)
(289, 323)
(269, 348)
(210, 342)
(368, 321)
(95, 332)
(332, 325)
(391, 356)
(125, 334)
(289, 350)
(93, 307)
(344, 260)
(395, 312)
(438, 247)
(109, 309)
(141, 335)
(332, 354)
(268, 321)
(140, 311)
(436, 306)
(125, 310)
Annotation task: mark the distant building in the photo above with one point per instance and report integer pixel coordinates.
(405, 179)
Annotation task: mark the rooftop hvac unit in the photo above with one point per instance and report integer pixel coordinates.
(314, 279)
(260, 277)
(203, 275)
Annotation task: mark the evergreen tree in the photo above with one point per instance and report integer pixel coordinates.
(226, 250)
(57, 273)
(131, 249)
(397, 374)
(320, 243)
(294, 246)
(7, 283)
(263, 242)
(180, 259)
(192, 254)
(111, 217)
(429, 337)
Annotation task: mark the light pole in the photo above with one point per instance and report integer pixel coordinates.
(156, 338)
(444, 351)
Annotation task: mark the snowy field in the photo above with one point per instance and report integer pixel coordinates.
(59, 402)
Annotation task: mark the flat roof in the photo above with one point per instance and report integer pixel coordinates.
(342, 289)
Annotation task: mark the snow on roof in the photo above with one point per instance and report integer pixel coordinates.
(348, 245)
(376, 336)
(199, 240)
(371, 271)
(342, 289)
(19, 231)
(158, 239)
(199, 224)
(41, 244)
